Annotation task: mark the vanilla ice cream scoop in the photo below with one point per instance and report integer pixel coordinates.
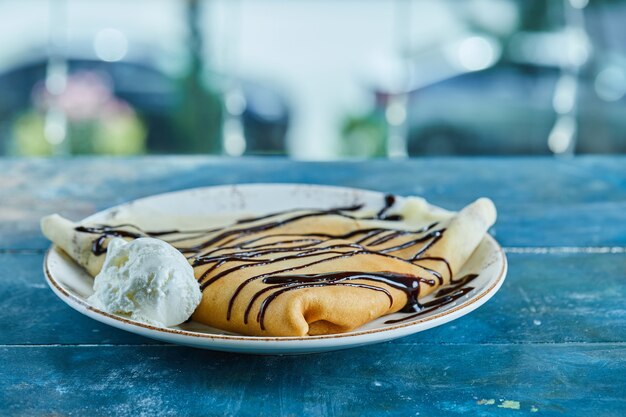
(147, 280)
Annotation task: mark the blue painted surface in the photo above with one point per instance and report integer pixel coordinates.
(551, 342)
(385, 379)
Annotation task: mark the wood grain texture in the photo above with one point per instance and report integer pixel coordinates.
(386, 379)
(546, 298)
(547, 194)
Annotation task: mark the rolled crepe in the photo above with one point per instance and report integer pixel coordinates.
(304, 272)
(62, 232)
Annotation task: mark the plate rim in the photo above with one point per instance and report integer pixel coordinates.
(79, 304)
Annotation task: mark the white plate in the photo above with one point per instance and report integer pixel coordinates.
(73, 285)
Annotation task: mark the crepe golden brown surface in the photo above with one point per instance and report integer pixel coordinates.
(304, 272)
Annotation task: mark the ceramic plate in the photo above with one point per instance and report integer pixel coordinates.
(214, 204)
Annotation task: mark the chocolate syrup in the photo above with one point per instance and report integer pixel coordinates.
(98, 247)
(444, 296)
(390, 200)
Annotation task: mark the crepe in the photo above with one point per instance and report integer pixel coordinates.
(304, 272)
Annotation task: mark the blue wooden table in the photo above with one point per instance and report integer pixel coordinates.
(552, 342)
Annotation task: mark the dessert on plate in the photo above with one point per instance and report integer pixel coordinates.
(292, 273)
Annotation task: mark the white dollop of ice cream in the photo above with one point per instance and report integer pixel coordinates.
(147, 280)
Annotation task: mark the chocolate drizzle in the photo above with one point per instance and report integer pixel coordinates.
(225, 251)
(390, 200)
(446, 295)
(105, 232)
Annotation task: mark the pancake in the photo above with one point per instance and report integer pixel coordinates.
(304, 272)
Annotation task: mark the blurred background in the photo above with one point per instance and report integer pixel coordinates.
(312, 79)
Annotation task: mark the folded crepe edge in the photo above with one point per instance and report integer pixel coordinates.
(314, 316)
(464, 233)
(78, 245)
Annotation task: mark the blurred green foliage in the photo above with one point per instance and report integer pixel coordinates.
(122, 134)
(364, 136)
